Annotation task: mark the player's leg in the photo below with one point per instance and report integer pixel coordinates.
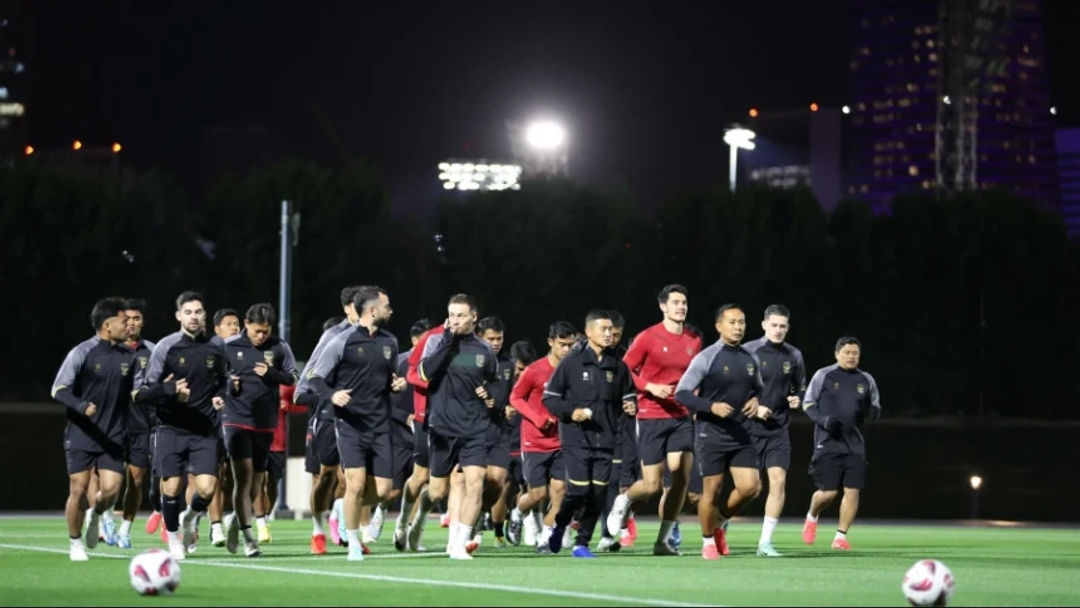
(410, 493)
(599, 477)
(137, 472)
(495, 474)
(500, 509)
(202, 466)
(355, 482)
(776, 458)
(154, 521)
(169, 458)
(536, 480)
(442, 458)
(679, 463)
(710, 489)
(260, 455)
(826, 472)
(652, 438)
(79, 464)
(853, 479)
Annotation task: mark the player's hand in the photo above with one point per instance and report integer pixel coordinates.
(409, 423)
(510, 411)
(549, 424)
(763, 413)
(721, 410)
(793, 402)
(629, 407)
(341, 398)
(235, 384)
(217, 402)
(283, 404)
(91, 409)
(580, 415)
(183, 393)
(398, 384)
(660, 391)
(261, 368)
(482, 393)
(750, 407)
(830, 424)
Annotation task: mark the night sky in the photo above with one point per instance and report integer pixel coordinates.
(645, 89)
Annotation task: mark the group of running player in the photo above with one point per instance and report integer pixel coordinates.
(543, 447)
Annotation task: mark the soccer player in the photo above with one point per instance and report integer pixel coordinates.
(722, 386)
(840, 397)
(455, 364)
(275, 465)
(258, 364)
(356, 373)
(589, 392)
(325, 463)
(140, 421)
(186, 380)
(493, 331)
(401, 413)
(94, 384)
(541, 450)
(783, 373)
(657, 358)
(522, 354)
(226, 326)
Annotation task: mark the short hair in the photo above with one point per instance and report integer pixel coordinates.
(138, 304)
(777, 309)
(463, 298)
(617, 320)
(106, 308)
(188, 296)
(365, 296)
(491, 323)
(522, 351)
(596, 315)
(845, 340)
(220, 314)
(348, 294)
(726, 307)
(666, 292)
(263, 312)
(332, 321)
(419, 327)
(561, 329)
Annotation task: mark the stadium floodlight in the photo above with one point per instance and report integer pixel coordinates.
(976, 482)
(545, 135)
(735, 138)
(467, 175)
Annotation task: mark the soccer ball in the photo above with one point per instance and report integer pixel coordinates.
(928, 583)
(154, 572)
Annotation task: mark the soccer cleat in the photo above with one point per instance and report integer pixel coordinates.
(460, 554)
(676, 537)
(264, 534)
(471, 546)
(251, 549)
(108, 530)
(720, 535)
(356, 554)
(841, 544)
(401, 538)
(664, 549)
(416, 532)
(513, 529)
(232, 533)
(176, 550)
(91, 528)
(77, 552)
(616, 519)
(608, 544)
(530, 531)
(809, 532)
(153, 522)
(164, 534)
(123, 542)
(767, 550)
(365, 536)
(543, 549)
(378, 520)
(188, 521)
(631, 528)
(318, 544)
(193, 547)
(582, 551)
(555, 541)
(709, 552)
(365, 549)
(335, 524)
(445, 521)
(569, 536)
(217, 536)
(500, 542)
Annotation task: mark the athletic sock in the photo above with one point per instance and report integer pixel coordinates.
(406, 509)
(466, 534)
(170, 512)
(353, 536)
(810, 517)
(498, 529)
(246, 531)
(767, 528)
(840, 535)
(76, 541)
(708, 540)
(260, 521)
(665, 531)
(316, 524)
(125, 528)
(216, 528)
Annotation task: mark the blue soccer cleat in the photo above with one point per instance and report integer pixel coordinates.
(556, 540)
(583, 552)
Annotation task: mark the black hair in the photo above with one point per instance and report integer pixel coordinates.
(104, 309)
(138, 304)
(463, 298)
(421, 326)
(777, 309)
(724, 308)
(263, 312)
(666, 292)
(596, 314)
(188, 296)
(561, 329)
(365, 296)
(332, 321)
(490, 323)
(522, 351)
(845, 340)
(617, 320)
(347, 294)
(220, 314)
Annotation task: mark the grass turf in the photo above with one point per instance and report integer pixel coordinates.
(992, 566)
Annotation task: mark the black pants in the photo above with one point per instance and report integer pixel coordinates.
(588, 473)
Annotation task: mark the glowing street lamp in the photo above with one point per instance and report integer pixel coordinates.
(735, 138)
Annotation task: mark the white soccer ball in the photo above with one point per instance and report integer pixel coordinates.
(154, 572)
(928, 583)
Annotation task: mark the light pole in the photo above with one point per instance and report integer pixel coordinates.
(735, 138)
(976, 485)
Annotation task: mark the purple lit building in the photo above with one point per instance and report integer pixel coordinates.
(1068, 153)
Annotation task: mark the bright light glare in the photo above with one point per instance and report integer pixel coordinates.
(846, 109)
(976, 482)
(740, 138)
(545, 135)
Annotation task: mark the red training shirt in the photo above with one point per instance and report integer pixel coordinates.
(413, 375)
(528, 399)
(287, 407)
(658, 356)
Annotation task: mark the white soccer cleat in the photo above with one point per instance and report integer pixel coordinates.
(91, 527)
(529, 531)
(460, 554)
(251, 549)
(217, 536)
(616, 520)
(176, 549)
(608, 544)
(77, 553)
(188, 520)
(365, 536)
(232, 533)
(378, 520)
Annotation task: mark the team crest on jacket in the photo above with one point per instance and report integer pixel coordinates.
(124, 369)
(479, 360)
(506, 374)
(240, 355)
(749, 369)
(268, 356)
(787, 367)
(183, 361)
(210, 360)
(143, 361)
(860, 388)
(584, 376)
(387, 352)
(610, 376)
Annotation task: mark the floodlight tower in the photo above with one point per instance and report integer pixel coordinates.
(737, 137)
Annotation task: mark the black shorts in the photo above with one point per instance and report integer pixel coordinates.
(499, 454)
(421, 449)
(539, 467)
(774, 450)
(586, 467)
(835, 471)
(627, 447)
(403, 459)
(275, 466)
(324, 443)
(515, 475)
(246, 443)
(695, 485)
(446, 453)
(138, 449)
(714, 458)
(178, 452)
(656, 438)
(360, 447)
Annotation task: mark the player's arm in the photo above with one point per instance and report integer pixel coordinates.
(875, 398)
(63, 387)
(438, 352)
(628, 390)
(221, 377)
(287, 375)
(635, 359)
(686, 389)
(519, 400)
(555, 394)
(151, 389)
(811, 404)
(303, 391)
(327, 363)
(412, 374)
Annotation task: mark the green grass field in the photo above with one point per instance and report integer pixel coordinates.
(992, 566)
